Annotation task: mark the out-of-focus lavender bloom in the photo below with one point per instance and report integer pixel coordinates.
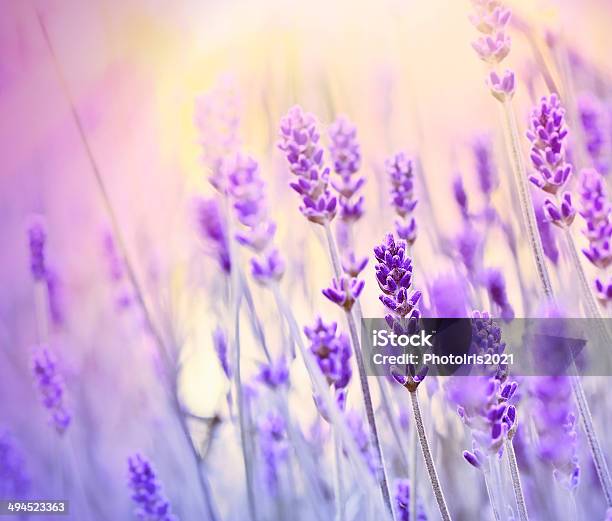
(460, 195)
(402, 502)
(549, 244)
(218, 122)
(268, 267)
(608, 515)
(275, 374)
(555, 422)
(220, 346)
(51, 387)
(212, 228)
(362, 439)
(394, 277)
(492, 48)
(489, 16)
(346, 157)
(597, 213)
(448, 296)
(502, 87)
(344, 291)
(353, 266)
(469, 246)
(604, 289)
(54, 297)
(547, 133)
(116, 272)
(332, 351)
(485, 169)
(299, 140)
(14, 478)
(400, 169)
(150, 503)
(274, 449)
(484, 402)
(247, 189)
(496, 287)
(37, 237)
(561, 215)
(591, 116)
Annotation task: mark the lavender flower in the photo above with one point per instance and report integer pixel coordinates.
(220, 345)
(218, 122)
(549, 244)
(299, 140)
(591, 116)
(484, 402)
(597, 213)
(274, 374)
(247, 190)
(37, 237)
(274, 448)
(394, 276)
(212, 228)
(460, 195)
(151, 505)
(485, 169)
(400, 171)
(555, 423)
(548, 133)
(14, 478)
(353, 266)
(490, 18)
(344, 291)
(402, 502)
(346, 157)
(117, 273)
(51, 387)
(332, 351)
(496, 288)
(502, 87)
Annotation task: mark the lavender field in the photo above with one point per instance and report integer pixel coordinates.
(202, 205)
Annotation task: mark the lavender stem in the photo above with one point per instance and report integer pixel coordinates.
(527, 212)
(338, 485)
(599, 459)
(487, 475)
(367, 398)
(413, 473)
(246, 454)
(429, 463)
(516, 481)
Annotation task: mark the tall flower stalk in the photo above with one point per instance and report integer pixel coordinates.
(299, 140)
(491, 19)
(394, 277)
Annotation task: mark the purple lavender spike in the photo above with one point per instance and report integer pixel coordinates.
(400, 169)
(299, 140)
(212, 228)
(149, 501)
(274, 449)
(332, 352)
(51, 388)
(402, 502)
